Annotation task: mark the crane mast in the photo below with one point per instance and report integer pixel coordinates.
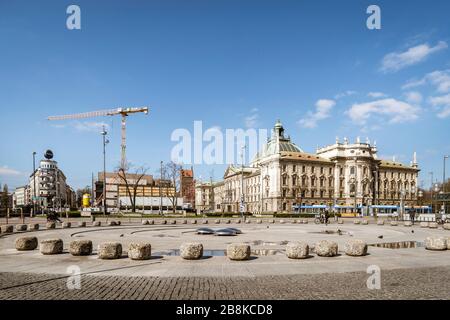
(124, 112)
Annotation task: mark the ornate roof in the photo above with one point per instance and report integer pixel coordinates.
(277, 143)
(396, 165)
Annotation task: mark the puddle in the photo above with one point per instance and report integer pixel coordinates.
(206, 253)
(220, 253)
(399, 245)
(264, 243)
(338, 232)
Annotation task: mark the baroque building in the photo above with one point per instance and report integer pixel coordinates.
(347, 177)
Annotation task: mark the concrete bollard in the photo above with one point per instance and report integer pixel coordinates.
(326, 248)
(97, 223)
(305, 221)
(365, 222)
(145, 222)
(407, 224)
(238, 251)
(151, 221)
(26, 243)
(282, 221)
(436, 243)
(217, 221)
(33, 227)
(66, 225)
(394, 223)
(258, 221)
(191, 250)
(82, 224)
(355, 248)
(432, 225)
(7, 229)
(80, 247)
(173, 222)
(297, 250)
(139, 251)
(205, 222)
(109, 250)
(194, 221)
(356, 221)
(50, 225)
(237, 221)
(380, 222)
(228, 221)
(21, 227)
(340, 221)
(446, 226)
(184, 221)
(424, 224)
(51, 246)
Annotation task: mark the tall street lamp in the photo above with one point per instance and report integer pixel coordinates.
(242, 206)
(431, 190)
(443, 187)
(105, 142)
(34, 182)
(160, 190)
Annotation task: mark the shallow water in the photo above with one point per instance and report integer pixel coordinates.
(399, 245)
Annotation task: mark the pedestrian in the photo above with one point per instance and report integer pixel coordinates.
(326, 216)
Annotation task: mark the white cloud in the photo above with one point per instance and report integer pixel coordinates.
(344, 94)
(395, 61)
(323, 109)
(442, 104)
(439, 78)
(5, 171)
(390, 110)
(90, 126)
(83, 126)
(376, 95)
(413, 97)
(252, 120)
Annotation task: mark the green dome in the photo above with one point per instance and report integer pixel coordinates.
(277, 143)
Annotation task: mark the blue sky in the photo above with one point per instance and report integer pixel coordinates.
(231, 64)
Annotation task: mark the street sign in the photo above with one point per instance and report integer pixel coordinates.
(443, 197)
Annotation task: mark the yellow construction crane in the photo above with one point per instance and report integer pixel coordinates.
(124, 112)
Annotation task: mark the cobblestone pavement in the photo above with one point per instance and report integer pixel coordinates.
(424, 283)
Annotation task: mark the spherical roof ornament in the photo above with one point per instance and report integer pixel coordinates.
(48, 154)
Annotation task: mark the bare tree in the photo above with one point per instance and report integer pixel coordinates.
(131, 182)
(172, 173)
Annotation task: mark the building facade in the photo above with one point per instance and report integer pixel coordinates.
(48, 184)
(21, 197)
(187, 187)
(345, 176)
(151, 193)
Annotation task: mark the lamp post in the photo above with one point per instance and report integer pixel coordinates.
(242, 182)
(160, 189)
(436, 189)
(34, 183)
(443, 187)
(431, 190)
(105, 142)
